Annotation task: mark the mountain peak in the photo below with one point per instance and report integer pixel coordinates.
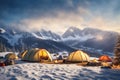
(72, 31)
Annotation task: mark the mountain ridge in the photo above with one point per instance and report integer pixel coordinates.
(73, 39)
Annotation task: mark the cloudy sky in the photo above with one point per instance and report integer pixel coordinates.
(59, 15)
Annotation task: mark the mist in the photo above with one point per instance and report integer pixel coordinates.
(58, 16)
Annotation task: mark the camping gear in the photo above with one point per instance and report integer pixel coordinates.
(78, 56)
(9, 62)
(2, 64)
(93, 64)
(56, 61)
(115, 66)
(11, 56)
(20, 55)
(105, 58)
(106, 65)
(94, 61)
(37, 55)
(64, 61)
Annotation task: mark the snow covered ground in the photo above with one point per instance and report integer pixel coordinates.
(39, 71)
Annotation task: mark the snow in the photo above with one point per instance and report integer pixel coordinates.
(38, 71)
(2, 30)
(44, 37)
(41, 71)
(71, 30)
(35, 35)
(13, 39)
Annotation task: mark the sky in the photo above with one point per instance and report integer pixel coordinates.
(59, 15)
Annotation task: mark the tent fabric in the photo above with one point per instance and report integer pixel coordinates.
(20, 55)
(11, 56)
(105, 58)
(78, 56)
(37, 55)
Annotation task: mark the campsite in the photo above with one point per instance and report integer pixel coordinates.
(59, 39)
(39, 64)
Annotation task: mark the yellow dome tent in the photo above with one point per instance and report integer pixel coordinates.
(11, 56)
(37, 55)
(20, 55)
(78, 56)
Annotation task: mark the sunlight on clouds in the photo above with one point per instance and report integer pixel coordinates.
(63, 20)
(60, 15)
(56, 24)
(102, 23)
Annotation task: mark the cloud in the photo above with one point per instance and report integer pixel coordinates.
(59, 23)
(58, 15)
(104, 24)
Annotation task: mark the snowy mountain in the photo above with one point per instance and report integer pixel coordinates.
(47, 35)
(26, 40)
(89, 39)
(76, 34)
(72, 32)
(13, 36)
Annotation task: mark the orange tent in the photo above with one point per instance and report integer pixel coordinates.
(105, 58)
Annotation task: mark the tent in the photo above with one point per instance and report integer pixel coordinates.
(37, 55)
(11, 56)
(20, 55)
(105, 58)
(78, 56)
